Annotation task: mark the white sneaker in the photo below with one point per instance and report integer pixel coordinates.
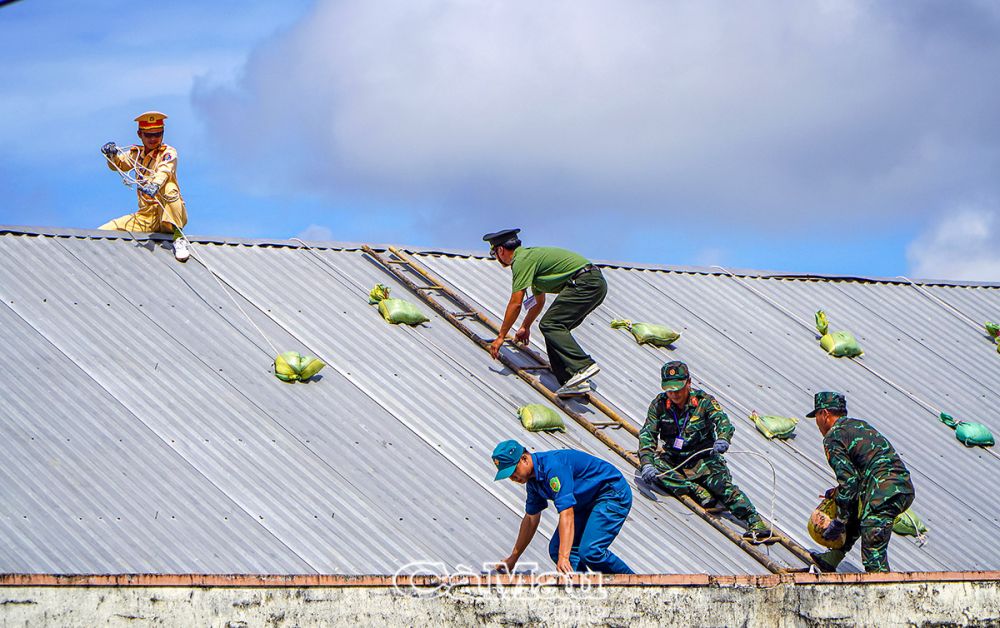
(583, 388)
(582, 376)
(182, 249)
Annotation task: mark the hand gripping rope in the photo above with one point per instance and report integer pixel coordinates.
(774, 480)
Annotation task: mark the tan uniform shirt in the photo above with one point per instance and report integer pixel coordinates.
(158, 166)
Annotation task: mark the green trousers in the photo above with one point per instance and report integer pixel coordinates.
(574, 302)
(874, 530)
(711, 473)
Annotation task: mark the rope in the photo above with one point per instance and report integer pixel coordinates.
(926, 293)
(130, 181)
(774, 480)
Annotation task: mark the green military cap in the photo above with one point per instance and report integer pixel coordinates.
(828, 400)
(674, 375)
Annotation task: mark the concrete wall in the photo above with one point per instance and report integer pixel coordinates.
(785, 604)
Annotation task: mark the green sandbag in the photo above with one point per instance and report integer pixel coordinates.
(536, 417)
(839, 344)
(398, 311)
(292, 366)
(395, 311)
(648, 333)
(969, 434)
(908, 523)
(774, 426)
(993, 330)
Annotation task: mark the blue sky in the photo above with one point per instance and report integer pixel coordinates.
(832, 137)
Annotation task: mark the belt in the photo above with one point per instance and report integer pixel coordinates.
(585, 269)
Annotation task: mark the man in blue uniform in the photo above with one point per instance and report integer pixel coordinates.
(592, 497)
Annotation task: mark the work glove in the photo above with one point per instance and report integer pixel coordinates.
(150, 189)
(649, 473)
(721, 446)
(834, 530)
(109, 149)
(830, 492)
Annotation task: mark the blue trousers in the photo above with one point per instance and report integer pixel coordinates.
(596, 526)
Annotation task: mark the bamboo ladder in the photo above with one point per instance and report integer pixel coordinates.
(394, 259)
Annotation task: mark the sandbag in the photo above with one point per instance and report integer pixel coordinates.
(292, 366)
(908, 523)
(398, 311)
(774, 426)
(820, 521)
(395, 311)
(536, 417)
(839, 344)
(969, 434)
(993, 329)
(648, 333)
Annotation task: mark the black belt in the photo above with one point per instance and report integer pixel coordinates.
(585, 269)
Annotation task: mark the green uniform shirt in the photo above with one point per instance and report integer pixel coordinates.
(866, 465)
(544, 268)
(699, 424)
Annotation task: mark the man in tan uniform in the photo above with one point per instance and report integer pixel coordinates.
(161, 208)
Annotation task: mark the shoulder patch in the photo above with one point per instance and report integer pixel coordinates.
(555, 484)
(168, 156)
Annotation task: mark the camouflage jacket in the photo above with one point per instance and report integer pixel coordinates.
(702, 420)
(867, 467)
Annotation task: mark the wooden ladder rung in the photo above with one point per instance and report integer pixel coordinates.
(464, 314)
(430, 288)
(399, 261)
(535, 367)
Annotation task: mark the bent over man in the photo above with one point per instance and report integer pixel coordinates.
(580, 287)
(161, 208)
(592, 497)
(688, 422)
(873, 484)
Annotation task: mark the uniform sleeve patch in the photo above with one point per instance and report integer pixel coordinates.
(555, 484)
(168, 157)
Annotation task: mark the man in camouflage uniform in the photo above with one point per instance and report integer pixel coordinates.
(689, 421)
(873, 484)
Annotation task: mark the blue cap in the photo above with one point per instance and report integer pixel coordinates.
(505, 457)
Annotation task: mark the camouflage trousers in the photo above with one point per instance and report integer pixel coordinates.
(874, 529)
(710, 473)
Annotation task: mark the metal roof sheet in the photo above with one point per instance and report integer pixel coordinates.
(148, 395)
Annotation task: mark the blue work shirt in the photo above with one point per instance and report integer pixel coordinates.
(570, 478)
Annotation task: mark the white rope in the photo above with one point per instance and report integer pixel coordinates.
(949, 306)
(130, 181)
(774, 480)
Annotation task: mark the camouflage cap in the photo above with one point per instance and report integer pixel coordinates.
(674, 375)
(828, 400)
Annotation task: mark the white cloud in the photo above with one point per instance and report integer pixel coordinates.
(782, 113)
(965, 245)
(316, 233)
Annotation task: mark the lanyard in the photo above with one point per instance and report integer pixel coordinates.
(687, 419)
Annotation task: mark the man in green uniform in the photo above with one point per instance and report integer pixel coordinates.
(580, 287)
(689, 422)
(873, 484)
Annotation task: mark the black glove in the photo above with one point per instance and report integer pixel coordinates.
(150, 189)
(109, 149)
(721, 446)
(830, 492)
(834, 530)
(649, 473)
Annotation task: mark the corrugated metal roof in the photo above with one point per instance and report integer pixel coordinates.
(745, 349)
(148, 435)
(153, 438)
